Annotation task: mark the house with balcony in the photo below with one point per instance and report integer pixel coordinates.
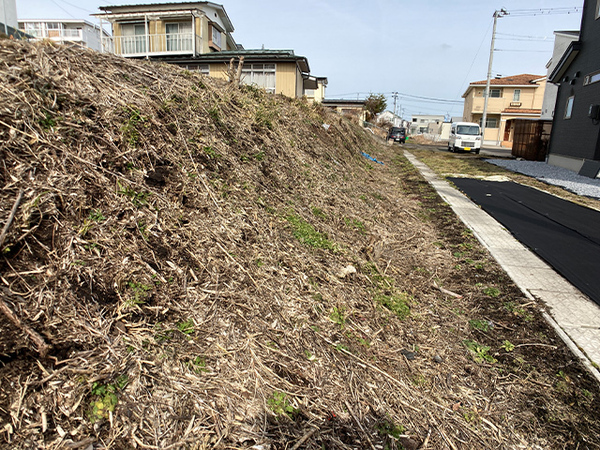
(198, 36)
(159, 30)
(65, 31)
(510, 98)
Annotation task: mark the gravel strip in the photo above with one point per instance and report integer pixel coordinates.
(557, 176)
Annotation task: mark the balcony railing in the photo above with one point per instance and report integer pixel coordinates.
(67, 34)
(152, 44)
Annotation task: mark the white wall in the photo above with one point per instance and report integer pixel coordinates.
(8, 14)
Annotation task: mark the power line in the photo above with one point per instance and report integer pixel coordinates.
(75, 6)
(67, 12)
(543, 11)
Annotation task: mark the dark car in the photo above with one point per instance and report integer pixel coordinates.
(397, 134)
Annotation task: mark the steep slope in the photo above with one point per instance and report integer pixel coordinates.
(197, 265)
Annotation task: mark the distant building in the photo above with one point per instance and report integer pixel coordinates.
(426, 123)
(575, 138)
(354, 108)
(390, 117)
(510, 98)
(65, 31)
(562, 40)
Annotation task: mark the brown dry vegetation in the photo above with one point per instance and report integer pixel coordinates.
(200, 266)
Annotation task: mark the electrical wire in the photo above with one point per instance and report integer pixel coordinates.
(67, 12)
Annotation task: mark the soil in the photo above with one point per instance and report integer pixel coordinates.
(197, 265)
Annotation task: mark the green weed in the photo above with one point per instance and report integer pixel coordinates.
(307, 235)
(355, 223)
(482, 325)
(508, 346)
(479, 352)
(389, 428)
(398, 304)
(491, 291)
(337, 316)
(198, 364)
(105, 399)
(186, 327)
(138, 199)
(280, 405)
(317, 212)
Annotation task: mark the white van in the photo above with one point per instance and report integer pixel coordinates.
(465, 136)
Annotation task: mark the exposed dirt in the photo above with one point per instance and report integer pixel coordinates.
(210, 267)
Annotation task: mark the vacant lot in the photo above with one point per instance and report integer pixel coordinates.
(191, 264)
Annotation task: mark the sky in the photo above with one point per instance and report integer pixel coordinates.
(427, 48)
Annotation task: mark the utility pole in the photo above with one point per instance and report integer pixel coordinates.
(395, 95)
(486, 92)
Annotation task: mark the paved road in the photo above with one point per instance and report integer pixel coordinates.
(487, 151)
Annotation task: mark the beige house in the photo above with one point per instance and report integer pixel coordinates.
(198, 36)
(513, 97)
(167, 29)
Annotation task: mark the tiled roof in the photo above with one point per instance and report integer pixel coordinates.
(521, 111)
(513, 80)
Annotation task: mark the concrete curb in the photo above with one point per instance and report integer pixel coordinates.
(574, 316)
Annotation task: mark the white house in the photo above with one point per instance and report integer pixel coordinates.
(562, 40)
(64, 31)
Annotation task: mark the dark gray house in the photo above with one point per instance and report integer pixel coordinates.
(575, 139)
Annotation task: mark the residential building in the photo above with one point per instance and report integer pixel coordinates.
(168, 29)
(65, 31)
(394, 119)
(562, 40)
(575, 138)
(198, 36)
(420, 123)
(314, 88)
(277, 71)
(354, 108)
(8, 16)
(510, 98)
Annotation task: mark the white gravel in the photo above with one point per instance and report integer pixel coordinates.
(558, 176)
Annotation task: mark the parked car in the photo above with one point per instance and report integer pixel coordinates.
(465, 136)
(398, 134)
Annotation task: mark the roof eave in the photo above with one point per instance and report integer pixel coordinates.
(565, 61)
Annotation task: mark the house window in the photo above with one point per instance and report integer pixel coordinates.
(494, 93)
(133, 39)
(179, 36)
(204, 69)
(262, 75)
(592, 77)
(34, 29)
(517, 95)
(215, 36)
(490, 122)
(569, 108)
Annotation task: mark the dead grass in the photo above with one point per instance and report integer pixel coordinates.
(163, 253)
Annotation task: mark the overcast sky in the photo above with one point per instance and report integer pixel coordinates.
(428, 48)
